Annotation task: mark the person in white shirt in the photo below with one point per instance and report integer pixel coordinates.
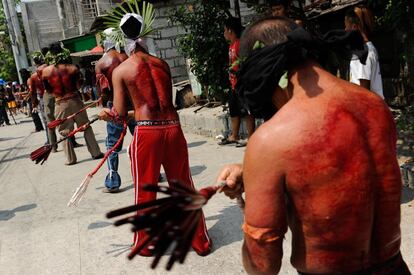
(369, 75)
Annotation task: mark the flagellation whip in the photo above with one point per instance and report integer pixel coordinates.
(42, 154)
(81, 190)
(169, 221)
(57, 122)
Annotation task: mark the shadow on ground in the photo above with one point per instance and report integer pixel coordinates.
(227, 228)
(196, 143)
(25, 121)
(16, 158)
(195, 170)
(407, 195)
(97, 225)
(9, 149)
(10, 138)
(118, 249)
(122, 189)
(6, 215)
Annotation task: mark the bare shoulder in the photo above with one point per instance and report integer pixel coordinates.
(273, 139)
(47, 70)
(100, 64)
(121, 70)
(362, 101)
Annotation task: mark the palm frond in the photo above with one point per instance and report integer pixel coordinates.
(131, 9)
(113, 18)
(122, 8)
(136, 6)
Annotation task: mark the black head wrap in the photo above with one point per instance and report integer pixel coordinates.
(260, 73)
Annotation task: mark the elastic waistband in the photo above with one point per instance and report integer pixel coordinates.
(66, 97)
(157, 122)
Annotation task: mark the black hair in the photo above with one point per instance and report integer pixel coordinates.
(131, 28)
(267, 31)
(234, 24)
(38, 60)
(55, 48)
(25, 74)
(44, 50)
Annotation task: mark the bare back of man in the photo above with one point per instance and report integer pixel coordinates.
(107, 64)
(147, 80)
(35, 82)
(335, 175)
(61, 80)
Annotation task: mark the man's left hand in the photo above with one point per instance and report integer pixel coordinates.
(105, 114)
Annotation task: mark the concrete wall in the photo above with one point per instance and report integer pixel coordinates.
(165, 39)
(41, 23)
(168, 34)
(42, 27)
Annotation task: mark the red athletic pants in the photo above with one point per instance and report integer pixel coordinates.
(151, 147)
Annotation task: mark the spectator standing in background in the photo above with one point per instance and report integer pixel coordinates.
(367, 75)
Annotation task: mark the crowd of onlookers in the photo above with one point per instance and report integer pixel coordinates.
(16, 99)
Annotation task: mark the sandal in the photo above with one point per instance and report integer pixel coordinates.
(226, 141)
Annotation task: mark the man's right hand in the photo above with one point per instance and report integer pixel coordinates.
(232, 175)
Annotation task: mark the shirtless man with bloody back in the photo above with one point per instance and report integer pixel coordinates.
(36, 92)
(324, 165)
(158, 138)
(104, 69)
(61, 78)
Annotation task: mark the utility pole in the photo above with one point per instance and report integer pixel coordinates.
(62, 17)
(98, 12)
(79, 10)
(19, 51)
(237, 9)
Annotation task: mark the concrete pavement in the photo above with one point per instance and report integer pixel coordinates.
(40, 235)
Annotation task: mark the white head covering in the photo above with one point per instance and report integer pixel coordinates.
(109, 42)
(126, 17)
(130, 42)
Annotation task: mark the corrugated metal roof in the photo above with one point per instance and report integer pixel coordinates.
(323, 7)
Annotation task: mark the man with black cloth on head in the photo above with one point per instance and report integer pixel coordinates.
(324, 165)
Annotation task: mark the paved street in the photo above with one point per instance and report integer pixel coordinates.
(40, 235)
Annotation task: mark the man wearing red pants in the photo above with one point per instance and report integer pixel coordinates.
(158, 138)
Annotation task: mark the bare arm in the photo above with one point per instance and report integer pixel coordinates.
(105, 114)
(32, 91)
(120, 93)
(265, 212)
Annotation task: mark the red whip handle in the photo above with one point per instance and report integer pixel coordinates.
(79, 129)
(110, 151)
(84, 108)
